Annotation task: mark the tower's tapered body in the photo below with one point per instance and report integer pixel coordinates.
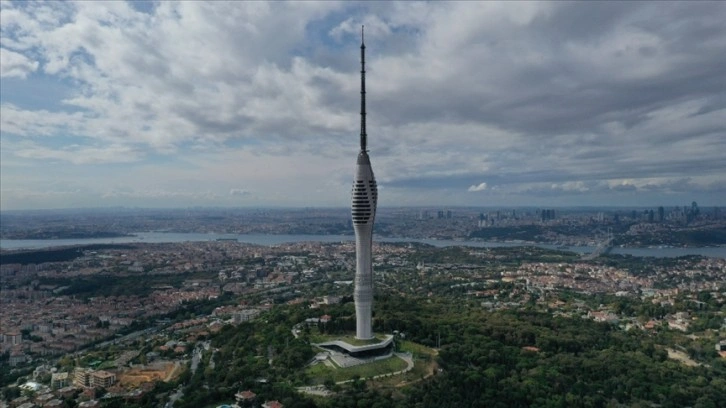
(365, 197)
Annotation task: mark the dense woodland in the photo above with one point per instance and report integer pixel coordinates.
(40, 256)
(482, 362)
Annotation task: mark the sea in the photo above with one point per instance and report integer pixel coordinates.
(274, 239)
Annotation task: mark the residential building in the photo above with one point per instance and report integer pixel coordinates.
(102, 379)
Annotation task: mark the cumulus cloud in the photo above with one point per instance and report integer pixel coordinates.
(478, 187)
(375, 28)
(180, 74)
(539, 99)
(41, 122)
(13, 64)
(623, 185)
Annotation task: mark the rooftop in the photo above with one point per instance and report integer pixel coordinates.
(347, 343)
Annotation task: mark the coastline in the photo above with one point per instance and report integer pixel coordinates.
(277, 239)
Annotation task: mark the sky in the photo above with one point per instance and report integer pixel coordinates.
(256, 104)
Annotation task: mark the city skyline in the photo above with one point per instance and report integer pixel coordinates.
(249, 104)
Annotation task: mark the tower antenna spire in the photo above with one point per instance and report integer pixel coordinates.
(363, 135)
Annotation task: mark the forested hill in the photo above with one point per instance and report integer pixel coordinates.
(486, 359)
(578, 363)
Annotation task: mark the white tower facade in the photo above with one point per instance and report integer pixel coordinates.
(365, 198)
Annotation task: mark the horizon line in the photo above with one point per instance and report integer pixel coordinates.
(427, 206)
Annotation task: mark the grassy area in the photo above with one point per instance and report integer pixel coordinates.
(421, 369)
(319, 372)
(417, 350)
(106, 365)
(424, 366)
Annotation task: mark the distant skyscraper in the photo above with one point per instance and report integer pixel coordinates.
(365, 197)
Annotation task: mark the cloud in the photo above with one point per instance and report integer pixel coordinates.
(161, 194)
(542, 100)
(478, 187)
(375, 28)
(82, 154)
(622, 185)
(139, 84)
(571, 186)
(238, 192)
(33, 123)
(13, 64)
(39, 195)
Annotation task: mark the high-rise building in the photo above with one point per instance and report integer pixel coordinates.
(365, 198)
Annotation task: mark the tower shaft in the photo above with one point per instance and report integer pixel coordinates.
(363, 211)
(363, 293)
